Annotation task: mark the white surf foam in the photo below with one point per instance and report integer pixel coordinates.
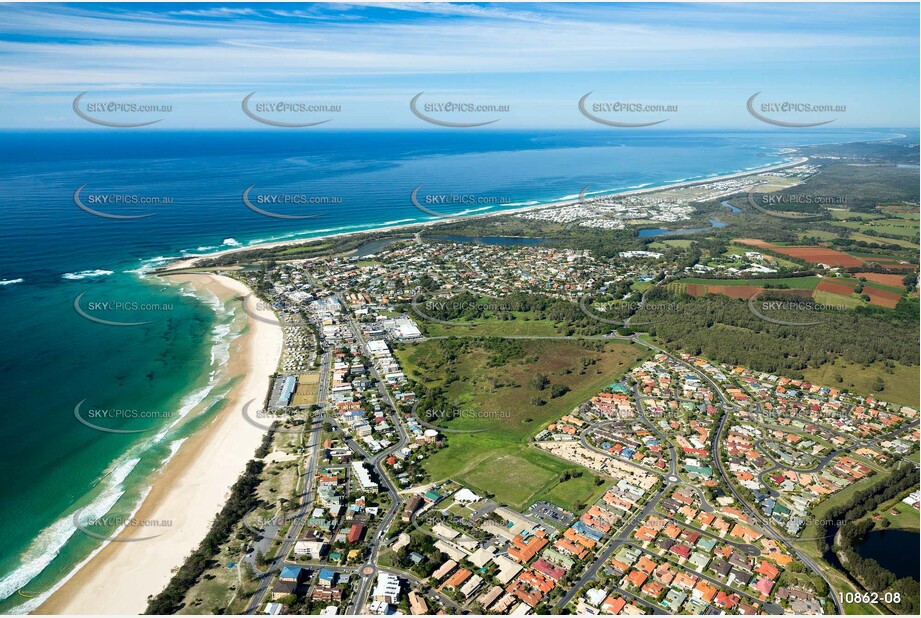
(86, 274)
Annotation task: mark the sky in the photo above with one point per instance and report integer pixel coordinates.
(696, 64)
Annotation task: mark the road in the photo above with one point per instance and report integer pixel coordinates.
(726, 406)
(307, 497)
(369, 570)
(613, 544)
(663, 439)
(756, 517)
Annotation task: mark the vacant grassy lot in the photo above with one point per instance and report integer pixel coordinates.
(902, 385)
(580, 490)
(522, 325)
(498, 400)
(906, 517)
(682, 243)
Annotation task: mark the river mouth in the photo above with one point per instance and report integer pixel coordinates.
(895, 550)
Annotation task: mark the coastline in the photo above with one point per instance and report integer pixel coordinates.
(193, 486)
(190, 489)
(189, 262)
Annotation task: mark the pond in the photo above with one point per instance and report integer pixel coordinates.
(895, 550)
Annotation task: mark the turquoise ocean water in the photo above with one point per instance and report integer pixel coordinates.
(53, 253)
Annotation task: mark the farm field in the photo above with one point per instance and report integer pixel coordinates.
(878, 239)
(814, 255)
(793, 283)
(883, 298)
(835, 300)
(888, 227)
(834, 287)
(825, 290)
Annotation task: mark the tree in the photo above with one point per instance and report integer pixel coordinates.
(558, 390)
(539, 381)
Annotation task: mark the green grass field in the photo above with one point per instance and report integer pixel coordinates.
(902, 385)
(829, 298)
(840, 213)
(492, 327)
(905, 519)
(681, 243)
(820, 234)
(581, 490)
(676, 243)
(904, 228)
(500, 460)
(889, 241)
(641, 286)
(893, 211)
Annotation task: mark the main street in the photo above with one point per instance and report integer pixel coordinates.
(369, 571)
(307, 497)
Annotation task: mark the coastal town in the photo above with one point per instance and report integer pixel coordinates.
(636, 416)
(709, 475)
(461, 308)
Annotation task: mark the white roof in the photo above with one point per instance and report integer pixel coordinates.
(465, 495)
(377, 345)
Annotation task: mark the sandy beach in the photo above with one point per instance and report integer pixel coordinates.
(191, 261)
(190, 490)
(194, 485)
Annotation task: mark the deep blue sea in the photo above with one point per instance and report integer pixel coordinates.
(53, 254)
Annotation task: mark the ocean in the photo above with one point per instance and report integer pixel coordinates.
(58, 260)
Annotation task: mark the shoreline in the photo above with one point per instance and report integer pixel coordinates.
(189, 490)
(199, 469)
(189, 262)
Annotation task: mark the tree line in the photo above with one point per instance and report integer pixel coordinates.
(873, 576)
(242, 500)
